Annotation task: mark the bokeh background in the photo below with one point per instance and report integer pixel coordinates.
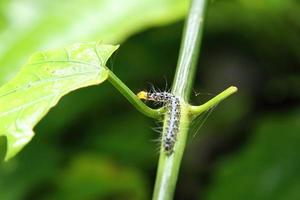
(95, 145)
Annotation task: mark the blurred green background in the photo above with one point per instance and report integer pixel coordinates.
(95, 145)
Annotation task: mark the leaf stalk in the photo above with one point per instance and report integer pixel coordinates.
(197, 110)
(133, 99)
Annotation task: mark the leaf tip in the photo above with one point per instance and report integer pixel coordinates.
(15, 144)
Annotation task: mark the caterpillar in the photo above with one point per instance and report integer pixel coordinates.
(172, 104)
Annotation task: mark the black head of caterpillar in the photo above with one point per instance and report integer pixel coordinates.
(172, 104)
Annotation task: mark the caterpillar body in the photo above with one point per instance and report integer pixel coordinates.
(172, 104)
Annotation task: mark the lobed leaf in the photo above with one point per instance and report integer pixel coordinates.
(40, 84)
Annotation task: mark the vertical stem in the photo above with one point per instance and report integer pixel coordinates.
(169, 165)
(189, 51)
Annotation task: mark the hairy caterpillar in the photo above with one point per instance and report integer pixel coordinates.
(172, 104)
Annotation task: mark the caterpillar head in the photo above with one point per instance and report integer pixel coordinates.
(142, 95)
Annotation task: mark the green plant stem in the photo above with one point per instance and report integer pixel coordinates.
(197, 110)
(168, 167)
(132, 98)
(189, 51)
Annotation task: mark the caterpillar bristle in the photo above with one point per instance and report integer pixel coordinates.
(172, 104)
(157, 130)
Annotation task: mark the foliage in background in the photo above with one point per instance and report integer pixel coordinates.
(268, 167)
(251, 43)
(34, 25)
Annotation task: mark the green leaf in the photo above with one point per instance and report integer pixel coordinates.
(42, 82)
(268, 168)
(49, 24)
